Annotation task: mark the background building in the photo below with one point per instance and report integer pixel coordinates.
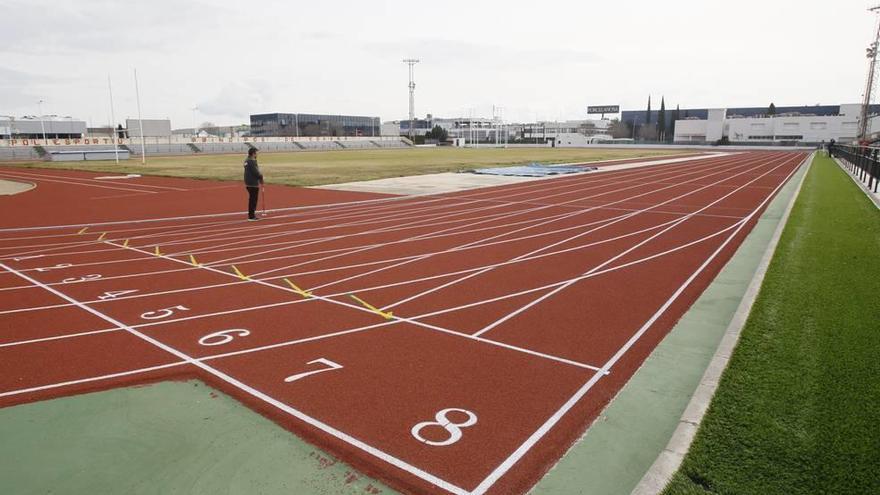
(841, 125)
(152, 127)
(306, 124)
(35, 127)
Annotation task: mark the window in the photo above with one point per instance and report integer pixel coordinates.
(818, 125)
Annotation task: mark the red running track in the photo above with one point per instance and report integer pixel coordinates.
(518, 311)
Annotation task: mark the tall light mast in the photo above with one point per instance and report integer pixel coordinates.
(869, 86)
(411, 62)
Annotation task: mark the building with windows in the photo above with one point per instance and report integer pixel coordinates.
(841, 125)
(35, 127)
(307, 124)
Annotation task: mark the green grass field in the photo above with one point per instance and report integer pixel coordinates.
(798, 409)
(333, 167)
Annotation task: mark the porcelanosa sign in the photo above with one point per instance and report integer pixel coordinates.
(604, 109)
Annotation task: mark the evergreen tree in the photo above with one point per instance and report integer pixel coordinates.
(648, 113)
(772, 109)
(661, 120)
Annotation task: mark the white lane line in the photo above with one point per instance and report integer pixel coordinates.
(33, 175)
(12, 176)
(568, 239)
(358, 290)
(589, 209)
(508, 463)
(616, 179)
(621, 254)
(512, 214)
(207, 215)
(611, 183)
(418, 317)
(519, 212)
(90, 379)
(396, 317)
(314, 422)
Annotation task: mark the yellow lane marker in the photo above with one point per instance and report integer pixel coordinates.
(157, 252)
(296, 289)
(82, 231)
(125, 244)
(372, 308)
(192, 260)
(240, 275)
(103, 235)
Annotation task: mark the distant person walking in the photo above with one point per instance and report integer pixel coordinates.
(253, 180)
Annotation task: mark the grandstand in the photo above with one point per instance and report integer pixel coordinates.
(29, 150)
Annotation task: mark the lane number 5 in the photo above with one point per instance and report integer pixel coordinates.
(163, 313)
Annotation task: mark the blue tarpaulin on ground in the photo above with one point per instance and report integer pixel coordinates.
(533, 170)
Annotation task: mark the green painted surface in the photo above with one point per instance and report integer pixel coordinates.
(628, 436)
(166, 438)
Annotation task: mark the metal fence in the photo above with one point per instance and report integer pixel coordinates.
(862, 161)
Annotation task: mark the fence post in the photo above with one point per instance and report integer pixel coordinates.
(874, 176)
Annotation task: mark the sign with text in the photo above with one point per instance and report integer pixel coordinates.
(604, 109)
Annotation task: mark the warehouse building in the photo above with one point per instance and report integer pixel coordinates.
(307, 124)
(785, 128)
(35, 128)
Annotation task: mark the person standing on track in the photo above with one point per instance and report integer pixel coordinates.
(253, 180)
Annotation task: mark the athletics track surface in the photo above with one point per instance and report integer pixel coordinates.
(518, 311)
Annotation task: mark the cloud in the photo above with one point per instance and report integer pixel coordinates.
(15, 88)
(468, 54)
(239, 99)
(53, 28)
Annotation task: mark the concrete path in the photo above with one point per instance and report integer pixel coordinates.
(8, 187)
(452, 182)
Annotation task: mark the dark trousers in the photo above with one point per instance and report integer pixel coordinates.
(253, 194)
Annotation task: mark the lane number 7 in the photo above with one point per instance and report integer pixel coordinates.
(326, 362)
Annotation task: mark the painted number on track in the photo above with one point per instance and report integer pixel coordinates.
(22, 258)
(84, 278)
(163, 313)
(223, 336)
(113, 294)
(330, 366)
(442, 421)
(56, 267)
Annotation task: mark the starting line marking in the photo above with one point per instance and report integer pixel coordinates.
(389, 315)
(82, 231)
(296, 289)
(238, 272)
(314, 422)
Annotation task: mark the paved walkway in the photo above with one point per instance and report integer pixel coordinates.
(451, 182)
(8, 187)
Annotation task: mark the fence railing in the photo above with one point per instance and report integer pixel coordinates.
(862, 161)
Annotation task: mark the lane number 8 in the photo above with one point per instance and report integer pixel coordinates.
(442, 421)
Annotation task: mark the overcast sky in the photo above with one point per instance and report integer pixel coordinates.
(545, 60)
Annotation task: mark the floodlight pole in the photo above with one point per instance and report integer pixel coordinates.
(113, 121)
(42, 122)
(411, 62)
(869, 86)
(137, 92)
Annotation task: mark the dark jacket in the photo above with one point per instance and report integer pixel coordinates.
(252, 175)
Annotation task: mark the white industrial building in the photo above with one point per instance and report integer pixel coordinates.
(51, 127)
(784, 128)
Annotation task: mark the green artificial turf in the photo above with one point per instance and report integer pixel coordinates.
(311, 168)
(798, 409)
